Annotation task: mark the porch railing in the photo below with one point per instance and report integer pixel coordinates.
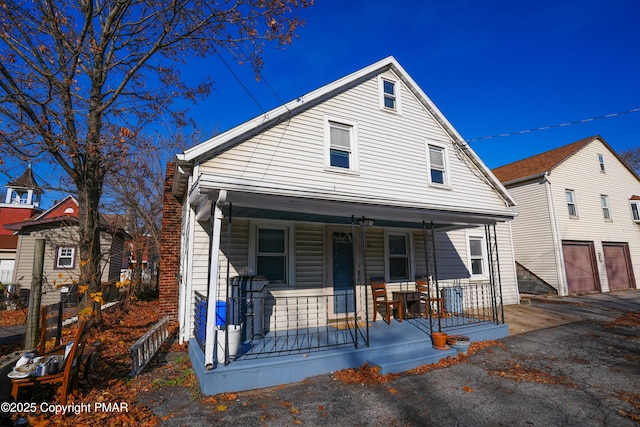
(286, 324)
(297, 324)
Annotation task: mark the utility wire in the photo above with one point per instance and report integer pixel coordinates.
(606, 116)
(240, 81)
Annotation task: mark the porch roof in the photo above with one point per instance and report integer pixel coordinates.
(260, 200)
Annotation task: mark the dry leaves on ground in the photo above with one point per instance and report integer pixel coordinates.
(516, 372)
(366, 374)
(123, 324)
(627, 320)
(634, 400)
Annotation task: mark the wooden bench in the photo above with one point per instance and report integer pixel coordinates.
(67, 377)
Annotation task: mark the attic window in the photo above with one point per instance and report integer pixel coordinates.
(389, 97)
(68, 211)
(601, 162)
(635, 208)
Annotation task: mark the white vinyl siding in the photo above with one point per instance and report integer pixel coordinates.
(580, 172)
(293, 153)
(532, 231)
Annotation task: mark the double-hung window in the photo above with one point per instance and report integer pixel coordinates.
(389, 94)
(271, 253)
(65, 257)
(398, 256)
(601, 162)
(341, 145)
(477, 256)
(437, 161)
(606, 212)
(635, 208)
(571, 203)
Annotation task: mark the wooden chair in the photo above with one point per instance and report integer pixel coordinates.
(67, 377)
(379, 292)
(428, 297)
(50, 327)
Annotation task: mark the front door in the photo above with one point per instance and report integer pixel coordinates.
(342, 266)
(340, 286)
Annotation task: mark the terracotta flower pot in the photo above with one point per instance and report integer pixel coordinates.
(439, 340)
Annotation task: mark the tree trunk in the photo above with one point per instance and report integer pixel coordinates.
(89, 193)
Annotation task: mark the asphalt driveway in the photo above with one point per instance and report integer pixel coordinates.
(573, 361)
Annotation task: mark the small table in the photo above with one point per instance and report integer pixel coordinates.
(410, 303)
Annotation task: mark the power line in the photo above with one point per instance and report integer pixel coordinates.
(606, 116)
(240, 82)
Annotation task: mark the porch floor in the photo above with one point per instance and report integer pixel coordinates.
(394, 348)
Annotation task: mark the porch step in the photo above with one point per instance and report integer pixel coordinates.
(394, 349)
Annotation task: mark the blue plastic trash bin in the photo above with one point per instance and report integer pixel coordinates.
(221, 313)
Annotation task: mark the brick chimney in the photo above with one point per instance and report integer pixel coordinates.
(169, 249)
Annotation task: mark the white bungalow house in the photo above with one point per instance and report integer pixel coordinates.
(578, 228)
(287, 217)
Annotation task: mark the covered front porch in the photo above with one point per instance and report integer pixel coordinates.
(317, 317)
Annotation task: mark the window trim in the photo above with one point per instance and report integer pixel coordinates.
(484, 258)
(288, 227)
(571, 203)
(387, 255)
(59, 249)
(383, 94)
(635, 203)
(353, 155)
(606, 207)
(445, 159)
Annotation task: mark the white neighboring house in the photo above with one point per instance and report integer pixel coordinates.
(350, 181)
(578, 227)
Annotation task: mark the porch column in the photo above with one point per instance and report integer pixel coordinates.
(216, 227)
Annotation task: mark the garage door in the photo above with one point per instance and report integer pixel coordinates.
(580, 265)
(618, 264)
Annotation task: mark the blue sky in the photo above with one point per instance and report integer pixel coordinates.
(491, 67)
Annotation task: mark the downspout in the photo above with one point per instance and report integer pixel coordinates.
(557, 243)
(216, 227)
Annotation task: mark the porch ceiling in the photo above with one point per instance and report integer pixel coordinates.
(383, 213)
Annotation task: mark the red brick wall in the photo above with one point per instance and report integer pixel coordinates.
(169, 249)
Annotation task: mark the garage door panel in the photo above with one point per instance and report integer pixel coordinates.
(618, 265)
(579, 259)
